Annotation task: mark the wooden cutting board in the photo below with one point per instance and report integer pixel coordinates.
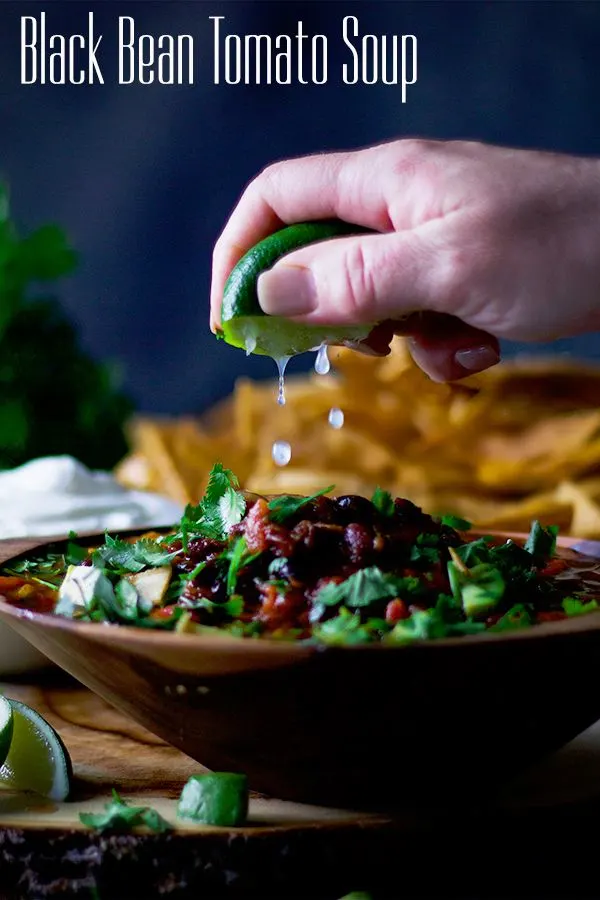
(287, 849)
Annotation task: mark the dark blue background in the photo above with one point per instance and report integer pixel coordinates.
(144, 177)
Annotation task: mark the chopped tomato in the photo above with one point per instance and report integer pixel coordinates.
(396, 610)
(551, 615)
(554, 567)
(255, 526)
(10, 582)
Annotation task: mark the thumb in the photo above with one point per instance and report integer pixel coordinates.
(350, 280)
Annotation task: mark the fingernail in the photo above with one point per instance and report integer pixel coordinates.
(287, 291)
(476, 359)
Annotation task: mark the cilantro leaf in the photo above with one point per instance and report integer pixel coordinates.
(427, 555)
(541, 542)
(127, 600)
(429, 624)
(221, 507)
(286, 505)
(474, 552)
(456, 522)
(121, 816)
(124, 556)
(365, 587)
(575, 607)
(518, 616)
(238, 558)
(383, 502)
(345, 628)
(75, 554)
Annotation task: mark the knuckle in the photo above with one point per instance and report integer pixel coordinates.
(359, 285)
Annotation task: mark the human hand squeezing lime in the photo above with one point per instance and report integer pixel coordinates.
(455, 244)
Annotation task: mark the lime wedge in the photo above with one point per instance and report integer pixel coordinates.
(6, 727)
(37, 759)
(244, 323)
(280, 338)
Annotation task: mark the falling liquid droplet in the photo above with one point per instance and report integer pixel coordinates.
(322, 365)
(336, 417)
(281, 453)
(281, 363)
(250, 345)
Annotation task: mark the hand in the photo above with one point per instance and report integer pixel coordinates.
(476, 243)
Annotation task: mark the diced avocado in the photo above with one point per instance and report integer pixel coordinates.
(215, 798)
(481, 589)
(81, 585)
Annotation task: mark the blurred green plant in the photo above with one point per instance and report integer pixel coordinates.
(54, 398)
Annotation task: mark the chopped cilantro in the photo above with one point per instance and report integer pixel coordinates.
(119, 815)
(238, 557)
(474, 552)
(429, 624)
(125, 556)
(280, 508)
(518, 616)
(221, 507)
(126, 598)
(541, 542)
(345, 628)
(424, 554)
(383, 502)
(365, 587)
(456, 522)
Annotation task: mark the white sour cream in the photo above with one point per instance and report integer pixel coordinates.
(57, 494)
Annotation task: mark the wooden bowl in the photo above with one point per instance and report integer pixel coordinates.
(361, 727)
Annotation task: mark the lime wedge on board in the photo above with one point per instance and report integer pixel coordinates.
(37, 759)
(6, 727)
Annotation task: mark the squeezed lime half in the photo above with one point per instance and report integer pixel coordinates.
(37, 760)
(244, 323)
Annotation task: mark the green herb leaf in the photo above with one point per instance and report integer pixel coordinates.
(383, 502)
(236, 556)
(221, 507)
(286, 505)
(456, 522)
(575, 607)
(75, 554)
(127, 600)
(365, 587)
(345, 628)
(429, 624)
(541, 542)
(518, 616)
(124, 556)
(474, 552)
(119, 815)
(427, 555)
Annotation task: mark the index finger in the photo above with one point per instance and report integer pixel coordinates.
(341, 185)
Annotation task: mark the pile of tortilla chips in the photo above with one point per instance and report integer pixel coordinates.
(518, 442)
